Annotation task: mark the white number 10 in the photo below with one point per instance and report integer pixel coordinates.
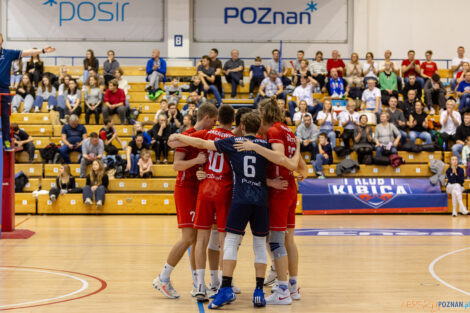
(248, 166)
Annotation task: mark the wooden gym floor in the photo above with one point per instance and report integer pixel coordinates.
(107, 264)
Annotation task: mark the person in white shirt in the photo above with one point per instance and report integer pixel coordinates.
(371, 98)
(450, 119)
(304, 92)
(370, 69)
(299, 116)
(326, 119)
(348, 119)
(456, 65)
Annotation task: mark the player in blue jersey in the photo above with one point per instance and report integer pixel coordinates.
(249, 201)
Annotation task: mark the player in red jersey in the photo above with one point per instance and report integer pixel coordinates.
(186, 161)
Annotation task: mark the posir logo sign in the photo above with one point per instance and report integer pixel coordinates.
(266, 15)
(87, 11)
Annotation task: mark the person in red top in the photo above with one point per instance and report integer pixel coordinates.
(412, 65)
(335, 62)
(187, 160)
(428, 67)
(114, 101)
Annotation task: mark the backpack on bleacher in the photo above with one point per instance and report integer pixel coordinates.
(50, 154)
(20, 181)
(396, 160)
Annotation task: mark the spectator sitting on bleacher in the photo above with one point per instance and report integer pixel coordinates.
(16, 73)
(394, 67)
(388, 83)
(109, 67)
(408, 105)
(35, 70)
(303, 71)
(419, 124)
(299, 115)
(188, 122)
(45, 92)
(93, 98)
(285, 114)
(156, 71)
(160, 133)
(371, 98)
(92, 149)
(457, 65)
(207, 76)
(258, 72)
(304, 92)
(450, 120)
(90, 63)
(64, 183)
(23, 141)
(455, 179)
(139, 129)
(466, 154)
(463, 92)
(370, 69)
(411, 66)
(434, 93)
(336, 86)
(270, 86)
(387, 137)
(318, 69)
(108, 134)
(191, 109)
(461, 74)
(397, 118)
(123, 84)
(461, 134)
(196, 88)
(308, 134)
(238, 116)
(298, 60)
(145, 164)
(73, 97)
(428, 67)
(174, 92)
(133, 154)
(348, 119)
(279, 67)
(412, 84)
(115, 102)
(216, 64)
(326, 119)
(101, 82)
(24, 93)
(353, 73)
(363, 139)
(96, 184)
(335, 62)
(175, 118)
(73, 135)
(323, 155)
(64, 82)
(233, 71)
(163, 110)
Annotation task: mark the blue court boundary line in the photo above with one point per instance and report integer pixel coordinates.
(200, 306)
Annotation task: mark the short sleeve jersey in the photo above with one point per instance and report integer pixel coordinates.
(249, 170)
(187, 178)
(6, 58)
(219, 182)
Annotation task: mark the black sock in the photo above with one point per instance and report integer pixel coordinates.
(259, 282)
(226, 281)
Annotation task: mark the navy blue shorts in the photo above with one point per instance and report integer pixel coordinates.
(240, 214)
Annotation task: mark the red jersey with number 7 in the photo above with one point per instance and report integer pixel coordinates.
(219, 182)
(187, 178)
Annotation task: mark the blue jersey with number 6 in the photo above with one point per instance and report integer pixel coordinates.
(249, 171)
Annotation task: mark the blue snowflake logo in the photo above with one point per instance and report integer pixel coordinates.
(312, 6)
(50, 2)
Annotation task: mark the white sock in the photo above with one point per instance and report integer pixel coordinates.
(220, 275)
(215, 282)
(293, 280)
(194, 277)
(166, 272)
(200, 277)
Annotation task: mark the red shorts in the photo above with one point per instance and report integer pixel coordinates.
(282, 207)
(211, 212)
(185, 202)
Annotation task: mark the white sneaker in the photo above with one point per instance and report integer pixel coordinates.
(201, 295)
(275, 286)
(294, 292)
(36, 109)
(211, 291)
(99, 204)
(236, 290)
(463, 211)
(166, 288)
(194, 291)
(272, 275)
(14, 110)
(280, 297)
(88, 201)
(454, 213)
(53, 198)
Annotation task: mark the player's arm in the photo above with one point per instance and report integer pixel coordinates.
(33, 52)
(302, 169)
(180, 164)
(194, 142)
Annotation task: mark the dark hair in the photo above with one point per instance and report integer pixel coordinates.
(163, 100)
(319, 52)
(362, 115)
(226, 114)
(272, 112)
(391, 98)
(466, 114)
(191, 118)
(275, 51)
(206, 109)
(68, 87)
(252, 122)
(435, 77)
(429, 51)
(412, 74)
(215, 50)
(301, 51)
(411, 51)
(371, 54)
(92, 61)
(206, 57)
(324, 135)
(107, 121)
(119, 70)
(112, 51)
(15, 127)
(240, 113)
(258, 59)
(93, 135)
(171, 104)
(139, 134)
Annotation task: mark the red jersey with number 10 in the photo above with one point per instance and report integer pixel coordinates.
(219, 182)
(280, 133)
(187, 178)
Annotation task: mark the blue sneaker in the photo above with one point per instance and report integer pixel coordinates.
(258, 298)
(224, 296)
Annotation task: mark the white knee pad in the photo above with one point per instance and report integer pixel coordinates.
(259, 247)
(214, 240)
(231, 246)
(277, 244)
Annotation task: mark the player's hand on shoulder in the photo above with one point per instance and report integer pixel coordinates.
(245, 145)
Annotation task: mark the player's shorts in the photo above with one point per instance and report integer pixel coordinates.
(240, 214)
(282, 207)
(185, 202)
(210, 212)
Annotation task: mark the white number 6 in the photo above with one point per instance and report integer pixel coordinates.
(249, 170)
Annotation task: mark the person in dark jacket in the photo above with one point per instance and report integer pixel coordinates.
(160, 134)
(363, 139)
(35, 69)
(324, 155)
(455, 178)
(96, 184)
(461, 134)
(109, 67)
(64, 183)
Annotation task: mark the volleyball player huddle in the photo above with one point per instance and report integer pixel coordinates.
(231, 190)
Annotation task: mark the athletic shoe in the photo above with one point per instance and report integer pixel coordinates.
(36, 109)
(211, 291)
(258, 298)
(194, 291)
(148, 88)
(166, 288)
(463, 211)
(242, 83)
(454, 213)
(88, 201)
(7, 146)
(53, 198)
(275, 287)
(251, 96)
(236, 290)
(99, 204)
(279, 297)
(201, 295)
(272, 275)
(294, 292)
(223, 297)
